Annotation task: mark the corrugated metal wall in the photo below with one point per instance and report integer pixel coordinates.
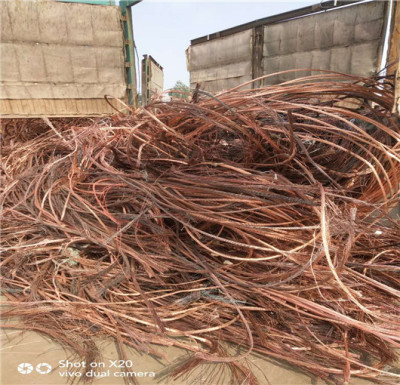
(347, 39)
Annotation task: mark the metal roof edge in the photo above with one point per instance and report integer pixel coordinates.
(146, 56)
(301, 12)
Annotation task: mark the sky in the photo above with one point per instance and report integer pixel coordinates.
(164, 28)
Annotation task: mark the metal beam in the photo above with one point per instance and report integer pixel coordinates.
(95, 2)
(129, 50)
(128, 3)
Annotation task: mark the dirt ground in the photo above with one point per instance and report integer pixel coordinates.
(32, 348)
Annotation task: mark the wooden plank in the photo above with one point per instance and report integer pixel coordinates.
(394, 48)
(396, 102)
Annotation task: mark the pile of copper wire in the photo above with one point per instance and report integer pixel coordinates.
(261, 218)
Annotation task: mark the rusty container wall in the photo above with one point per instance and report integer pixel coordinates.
(345, 39)
(60, 59)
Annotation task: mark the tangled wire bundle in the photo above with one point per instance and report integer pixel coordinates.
(262, 218)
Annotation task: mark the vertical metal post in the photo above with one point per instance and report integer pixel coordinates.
(129, 51)
(257, 56)
(146, 76)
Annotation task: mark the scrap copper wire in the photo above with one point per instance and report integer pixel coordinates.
(269, 224)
